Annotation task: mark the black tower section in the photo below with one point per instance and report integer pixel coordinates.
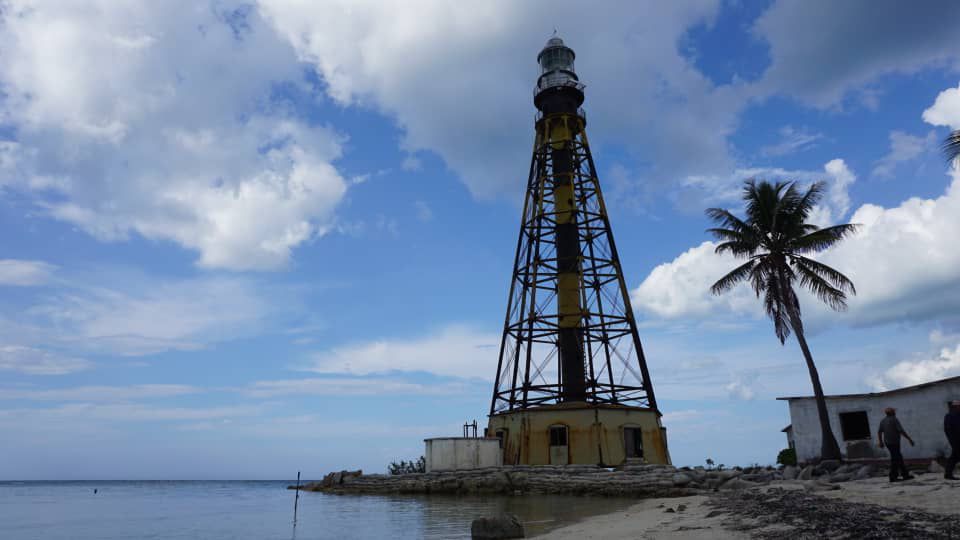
(569, 334)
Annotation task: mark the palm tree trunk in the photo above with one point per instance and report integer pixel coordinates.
(829, 449)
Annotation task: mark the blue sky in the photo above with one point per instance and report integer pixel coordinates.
(248, 238)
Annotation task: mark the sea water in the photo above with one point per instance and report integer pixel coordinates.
(218, 510)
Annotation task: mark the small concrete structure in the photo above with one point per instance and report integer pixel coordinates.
(462, 453)
(855, 420)
(580, 433)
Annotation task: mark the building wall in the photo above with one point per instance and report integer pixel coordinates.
(457, 453)
(920, 412)
(595, 435)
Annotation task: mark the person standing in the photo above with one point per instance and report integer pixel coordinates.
(951, 428)
(889, 436)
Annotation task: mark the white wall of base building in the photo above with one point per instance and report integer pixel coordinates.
(459, 453)
(920, 410)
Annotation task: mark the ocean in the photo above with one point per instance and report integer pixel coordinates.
(215, 510)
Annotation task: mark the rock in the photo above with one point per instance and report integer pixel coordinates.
(935, 467)
(828, 465)
(496, 528)
(806, 473)
(669, 511)
(681, 507)
(714, 513)
(736, 483)
(816, 485)
(680, 479)
(789, 472)
(865, 472)
(841, 477)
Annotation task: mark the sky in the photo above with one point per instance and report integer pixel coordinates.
(242, 239)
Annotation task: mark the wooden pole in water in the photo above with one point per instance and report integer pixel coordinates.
(296, 499)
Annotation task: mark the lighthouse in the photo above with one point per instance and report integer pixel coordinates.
(572, 384)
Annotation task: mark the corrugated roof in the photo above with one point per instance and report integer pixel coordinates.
(884, 393)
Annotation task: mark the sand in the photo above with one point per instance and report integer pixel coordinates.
(649, 519)
(928, 495)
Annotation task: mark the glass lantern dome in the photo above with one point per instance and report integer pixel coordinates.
(556, 66)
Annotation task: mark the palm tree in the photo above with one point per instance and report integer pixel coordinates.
(951, 146)
(777, 241)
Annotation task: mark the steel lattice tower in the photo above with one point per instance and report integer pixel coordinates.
(569, 335)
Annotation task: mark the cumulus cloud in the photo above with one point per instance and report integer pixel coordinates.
(902, 260)
(919, 370)
(945, 110)
(458, 80)
(24, 273)
(34, 361)
(166, 120)
(455, 351)
(822, 51)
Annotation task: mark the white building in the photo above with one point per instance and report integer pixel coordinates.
(855, 420)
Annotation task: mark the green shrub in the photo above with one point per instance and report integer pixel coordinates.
(787, 456)
(408, 467)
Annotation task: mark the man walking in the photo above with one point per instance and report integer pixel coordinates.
(889, 436)
(951, 427)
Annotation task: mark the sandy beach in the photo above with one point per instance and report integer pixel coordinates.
(925, 507)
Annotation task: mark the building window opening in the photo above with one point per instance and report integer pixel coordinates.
(633, 442)
(501, 435)
(558, 435)
(854, 425)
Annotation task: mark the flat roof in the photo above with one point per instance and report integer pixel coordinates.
(884, 393)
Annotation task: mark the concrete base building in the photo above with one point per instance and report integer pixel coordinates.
(855, 420)
(578, 433)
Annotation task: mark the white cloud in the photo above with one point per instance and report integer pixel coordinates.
(791, 141)
(437, 68)
(183, 138)
(349, 386)
(424, 213)
(122, 412)
(138, 316)
(903, 262)
(455, 351)
(903, 147)
(945, 111)
(918, 371)
(822, 51)
(99, 393)
(24, 273)
(33, 361)
(738, 389)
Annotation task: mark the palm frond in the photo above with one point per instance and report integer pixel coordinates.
(828, 294)
(735, 276)
(773, 305)
(951, 146)
(737, 249)
(729, 235)
(832, 275)
(727, 220)
(822, 239)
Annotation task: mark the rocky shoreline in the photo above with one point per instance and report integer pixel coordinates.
(643, 481)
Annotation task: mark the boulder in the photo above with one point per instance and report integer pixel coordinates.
(806, 473)
(496, 528)
(828, 465)
(841, 477)
(681, 479)
(789, 472)
(935, 467)
(735, 484)
(865, 472)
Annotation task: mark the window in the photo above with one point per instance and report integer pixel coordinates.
(854, 425)
(501, 436)
(558, 435)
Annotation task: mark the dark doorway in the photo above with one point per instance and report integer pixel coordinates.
(633, 442)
